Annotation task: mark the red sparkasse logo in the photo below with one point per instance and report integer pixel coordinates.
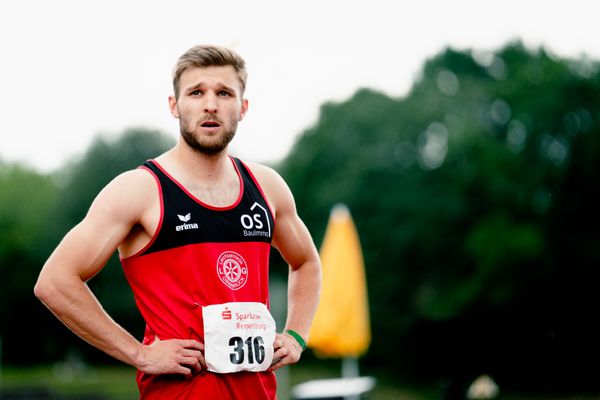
(232, 270)
(226, 314)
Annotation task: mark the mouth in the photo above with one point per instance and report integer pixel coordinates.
(210, 124)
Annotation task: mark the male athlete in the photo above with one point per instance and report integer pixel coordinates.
(193, 228)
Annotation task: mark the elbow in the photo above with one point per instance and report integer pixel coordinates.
(40, 290)
(318, 269)
(43, 289)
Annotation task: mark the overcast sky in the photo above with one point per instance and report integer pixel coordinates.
(73, 69)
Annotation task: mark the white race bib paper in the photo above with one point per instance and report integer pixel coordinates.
(238, 337)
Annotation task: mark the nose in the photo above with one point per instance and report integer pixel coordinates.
(211, 104)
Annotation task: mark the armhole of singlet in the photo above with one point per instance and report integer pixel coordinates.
(160, 219)
(268, 203)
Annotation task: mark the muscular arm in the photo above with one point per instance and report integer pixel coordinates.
(295, 244)
(292, 239)
(82, 253)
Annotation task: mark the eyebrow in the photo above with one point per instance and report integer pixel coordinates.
(220, 86)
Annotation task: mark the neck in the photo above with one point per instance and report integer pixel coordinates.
(211, 179)
(185, 161)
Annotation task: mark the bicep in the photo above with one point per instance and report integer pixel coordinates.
(293, 241)
(84, 251)
(292, 238)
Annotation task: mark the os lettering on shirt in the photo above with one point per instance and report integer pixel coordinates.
(238, 336)
(232, 270)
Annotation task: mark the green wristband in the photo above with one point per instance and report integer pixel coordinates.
(298, 338)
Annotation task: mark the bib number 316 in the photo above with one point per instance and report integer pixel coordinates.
(252, 347)
(238, 337)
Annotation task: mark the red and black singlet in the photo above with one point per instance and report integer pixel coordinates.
(202, 255)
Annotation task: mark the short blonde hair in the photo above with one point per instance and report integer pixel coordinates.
(208, 56)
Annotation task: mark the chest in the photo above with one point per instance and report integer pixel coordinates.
(191, 214)
(215, 195)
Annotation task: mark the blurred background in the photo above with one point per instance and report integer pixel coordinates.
(469, 165)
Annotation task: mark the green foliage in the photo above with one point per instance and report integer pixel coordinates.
(461, 192)
(36, 210)
(27, 200)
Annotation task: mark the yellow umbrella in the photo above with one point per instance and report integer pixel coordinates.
(341, 326)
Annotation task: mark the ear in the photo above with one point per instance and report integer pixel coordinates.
(173, 106)
(243, 110)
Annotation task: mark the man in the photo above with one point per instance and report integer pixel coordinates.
(193, 229)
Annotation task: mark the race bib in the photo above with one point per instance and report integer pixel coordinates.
(238, 337)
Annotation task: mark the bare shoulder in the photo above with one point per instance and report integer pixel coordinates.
(291, 237)
(131, 184)
(276, 189)
(127, 195)
(265, 175)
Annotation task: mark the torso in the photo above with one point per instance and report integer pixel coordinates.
(180, 259)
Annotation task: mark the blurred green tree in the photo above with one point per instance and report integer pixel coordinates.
(35, 212)
(469, 195)
(27, 200)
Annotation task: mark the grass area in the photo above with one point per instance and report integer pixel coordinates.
(118, 383)
(84, 382)
(109, 382)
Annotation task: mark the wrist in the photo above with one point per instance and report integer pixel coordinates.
(138, 356)
(297, 337)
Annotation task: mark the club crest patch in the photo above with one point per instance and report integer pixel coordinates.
(232, 270)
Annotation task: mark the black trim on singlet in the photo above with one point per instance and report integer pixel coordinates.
(186, 220)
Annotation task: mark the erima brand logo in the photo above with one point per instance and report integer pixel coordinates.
(185, 218)
(185, 226)
(256, 224)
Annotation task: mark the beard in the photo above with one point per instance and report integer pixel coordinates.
(209, 146)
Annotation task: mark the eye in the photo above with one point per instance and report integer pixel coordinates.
(224, 93)
(196, 92)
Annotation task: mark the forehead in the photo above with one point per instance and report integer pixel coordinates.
(213, 75)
